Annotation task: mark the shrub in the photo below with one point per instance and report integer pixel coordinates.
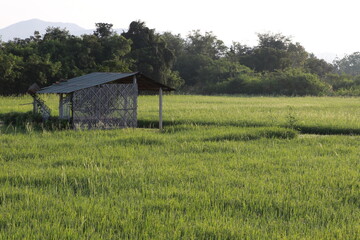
(293, 82)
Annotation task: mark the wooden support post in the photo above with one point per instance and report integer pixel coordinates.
(126, 110)
(61, 107)
(35, 109)
(135, 97)
(160, 109)
(72, 110)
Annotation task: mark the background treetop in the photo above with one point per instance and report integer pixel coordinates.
(196, 63)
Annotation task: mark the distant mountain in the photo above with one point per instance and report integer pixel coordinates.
(27, 28)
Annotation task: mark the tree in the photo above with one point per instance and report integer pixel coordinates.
(59, 55)
(56, 33)
(350, 64)
(276, 41)
(208, 45)
(150, 53)
(296, 55)
(102, 51)
(103, 30)
(200, 52)
(63, 49)
(174, 42)
(237, 51)
(274, 52)
(10, 73)
(318, 66)
(200, 61)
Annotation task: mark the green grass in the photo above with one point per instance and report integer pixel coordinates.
(319, 115)
(223, 168)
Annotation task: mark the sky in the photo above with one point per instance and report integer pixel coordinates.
(323, 27)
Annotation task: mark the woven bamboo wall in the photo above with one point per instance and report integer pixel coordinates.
(105, 106)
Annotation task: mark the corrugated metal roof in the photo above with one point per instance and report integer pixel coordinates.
(85, 81)
(98, 78)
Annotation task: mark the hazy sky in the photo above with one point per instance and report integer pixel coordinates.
(321, 26)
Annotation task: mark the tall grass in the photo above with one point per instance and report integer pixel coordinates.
(213, 173)
(319, 115)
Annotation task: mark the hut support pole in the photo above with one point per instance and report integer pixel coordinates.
(34, 105)
(61, 109)
(134, 116)
(160, 109)
(72, 111)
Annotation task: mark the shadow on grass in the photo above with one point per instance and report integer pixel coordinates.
(182, 125)
(326, 130)
(155, 124)
(27, 122)
(248, 134)
(136, 141)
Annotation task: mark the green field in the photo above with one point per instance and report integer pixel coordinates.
(223, 168)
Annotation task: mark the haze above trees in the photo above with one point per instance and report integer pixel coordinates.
(198, 63)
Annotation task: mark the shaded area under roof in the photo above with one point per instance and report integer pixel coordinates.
(98, 78)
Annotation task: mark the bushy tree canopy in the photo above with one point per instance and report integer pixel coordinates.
(199, 63)
(350, 64)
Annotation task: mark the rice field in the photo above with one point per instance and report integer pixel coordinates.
(223, 168)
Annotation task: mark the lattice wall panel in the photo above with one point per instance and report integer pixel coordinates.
(65, 107)
(106, 106)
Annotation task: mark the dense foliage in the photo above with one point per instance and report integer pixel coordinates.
(198, 63)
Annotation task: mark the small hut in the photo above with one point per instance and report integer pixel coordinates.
(101, 100)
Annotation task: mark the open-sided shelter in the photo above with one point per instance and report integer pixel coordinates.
(101, 99)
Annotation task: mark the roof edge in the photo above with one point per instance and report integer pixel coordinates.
(98, 78)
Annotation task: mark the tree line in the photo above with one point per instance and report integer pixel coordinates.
(199, 63)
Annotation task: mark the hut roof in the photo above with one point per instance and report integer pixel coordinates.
(98, 78)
